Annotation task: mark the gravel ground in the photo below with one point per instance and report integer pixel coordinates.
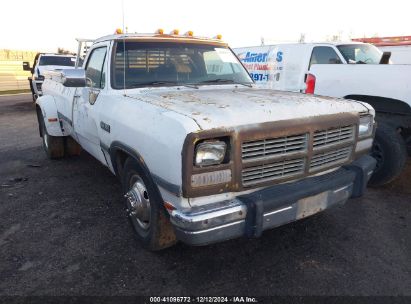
(63, 231)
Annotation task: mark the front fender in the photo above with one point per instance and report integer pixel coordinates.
(49, 111)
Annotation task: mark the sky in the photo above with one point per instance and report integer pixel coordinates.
(45, 25)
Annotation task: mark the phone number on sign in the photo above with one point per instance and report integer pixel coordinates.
(259, 77)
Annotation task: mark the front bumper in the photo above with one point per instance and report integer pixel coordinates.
(249, 215)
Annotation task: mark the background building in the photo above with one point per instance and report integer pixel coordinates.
(12, 76)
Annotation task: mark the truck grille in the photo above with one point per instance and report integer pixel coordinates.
(284, 157)
(265, 148)
(273, 171)
(330, 158)
(334, 136)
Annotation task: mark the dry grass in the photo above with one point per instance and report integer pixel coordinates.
(14, 92)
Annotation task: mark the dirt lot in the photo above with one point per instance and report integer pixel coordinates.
(63, 231)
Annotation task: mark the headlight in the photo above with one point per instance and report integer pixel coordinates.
(366, 126)
(210, 153)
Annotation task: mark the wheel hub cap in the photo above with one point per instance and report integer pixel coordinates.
(139, 203)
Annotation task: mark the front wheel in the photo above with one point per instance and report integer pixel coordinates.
(145, 209)
(389, 149)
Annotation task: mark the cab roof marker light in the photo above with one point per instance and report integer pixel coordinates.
(118, 31)
(189, 33)
(219, 37)
(160, 31)
(174, 32)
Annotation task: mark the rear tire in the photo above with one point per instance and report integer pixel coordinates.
(151, 224)
(52, 145)
(390, 151)
(408, 143)
(72, 147)
(33, 95)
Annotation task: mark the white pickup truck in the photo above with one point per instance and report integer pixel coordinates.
(43, 63)
(350, 70)
(202, 153)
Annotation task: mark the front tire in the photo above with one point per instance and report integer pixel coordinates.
(390, 151)
(145, 209)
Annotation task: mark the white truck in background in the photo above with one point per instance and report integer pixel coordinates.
(202, 153)
(46, 62)
(352, 70)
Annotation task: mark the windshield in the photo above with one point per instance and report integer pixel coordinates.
(360, 53)
(57, 60)
(168, 63)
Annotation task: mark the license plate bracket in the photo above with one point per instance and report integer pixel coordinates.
(312, 205)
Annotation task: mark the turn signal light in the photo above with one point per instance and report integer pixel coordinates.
(211, 178)
(169, 206)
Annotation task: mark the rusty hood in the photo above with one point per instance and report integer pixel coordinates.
(216, 107)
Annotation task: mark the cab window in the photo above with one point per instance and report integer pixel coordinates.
(324, 55)
(360, 53)
(95, 68)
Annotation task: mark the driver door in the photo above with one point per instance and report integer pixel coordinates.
(86, 112)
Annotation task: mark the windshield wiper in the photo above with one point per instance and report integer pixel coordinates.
(222, 80)
(155, 83)
(165, 82)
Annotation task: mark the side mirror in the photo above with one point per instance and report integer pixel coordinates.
(26, 66)
(385, 58)
(75, 78)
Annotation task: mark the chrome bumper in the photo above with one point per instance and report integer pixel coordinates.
(251, 214)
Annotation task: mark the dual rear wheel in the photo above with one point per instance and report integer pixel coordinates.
(57, 146)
